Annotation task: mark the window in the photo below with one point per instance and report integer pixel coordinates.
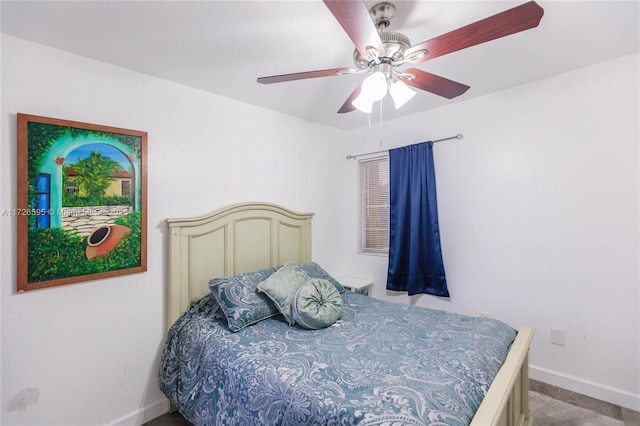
(374, 205)
(72, 186)
(126, 188)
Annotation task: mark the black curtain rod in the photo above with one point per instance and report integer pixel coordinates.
(353, 157)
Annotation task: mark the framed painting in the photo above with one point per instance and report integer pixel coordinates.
(82, 202)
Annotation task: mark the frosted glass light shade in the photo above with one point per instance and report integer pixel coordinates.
(363, 103)
(375, 86)
(400, 93)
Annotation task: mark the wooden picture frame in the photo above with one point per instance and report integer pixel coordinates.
(82, 202)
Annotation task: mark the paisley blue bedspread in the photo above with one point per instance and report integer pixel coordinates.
(380, 364)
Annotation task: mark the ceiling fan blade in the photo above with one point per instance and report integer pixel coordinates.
(348, 105)
(434, 84)
(520, 18)
(304, 75)
(356, 21)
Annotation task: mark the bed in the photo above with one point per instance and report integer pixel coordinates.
(380, 363)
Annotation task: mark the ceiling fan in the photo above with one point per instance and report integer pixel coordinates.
(383, 54)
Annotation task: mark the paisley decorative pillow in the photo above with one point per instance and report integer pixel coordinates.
(239, 299)
(317, 304)
(281, 287)
(315, 271)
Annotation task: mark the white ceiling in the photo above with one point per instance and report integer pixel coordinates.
(223, 46)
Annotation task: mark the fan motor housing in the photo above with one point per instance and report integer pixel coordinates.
(394, 44)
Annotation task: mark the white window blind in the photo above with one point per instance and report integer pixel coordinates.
(374, 205)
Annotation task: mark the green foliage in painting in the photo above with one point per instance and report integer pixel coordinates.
(55, 253)
(73, 199)
(43, 136)
(94, 174)
(76, 199)
(129, 251)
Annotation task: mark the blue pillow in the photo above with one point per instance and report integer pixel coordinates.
(281, 288)
(317, 304)
(315, 271)
(239, 299)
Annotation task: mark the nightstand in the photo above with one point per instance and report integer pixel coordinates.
(357, 285)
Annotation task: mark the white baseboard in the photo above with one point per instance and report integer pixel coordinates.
(585, 387)
(143, 415)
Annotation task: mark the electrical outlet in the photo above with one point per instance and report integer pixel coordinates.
(557, 337)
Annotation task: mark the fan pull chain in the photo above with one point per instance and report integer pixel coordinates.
(380, 123)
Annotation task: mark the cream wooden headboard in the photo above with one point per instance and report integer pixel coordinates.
(239, 238)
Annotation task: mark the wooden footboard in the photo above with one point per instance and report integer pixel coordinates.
(507, 401)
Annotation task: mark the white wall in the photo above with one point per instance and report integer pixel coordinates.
(538, 213)
(87, 354)
(538, 209)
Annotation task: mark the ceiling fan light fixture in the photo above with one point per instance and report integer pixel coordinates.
(375, 86)
(363, 103)
(378, 50)
(401, 93)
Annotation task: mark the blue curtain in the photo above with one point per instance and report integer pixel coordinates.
(415, 257)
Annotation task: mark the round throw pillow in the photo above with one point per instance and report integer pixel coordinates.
(317, 304)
